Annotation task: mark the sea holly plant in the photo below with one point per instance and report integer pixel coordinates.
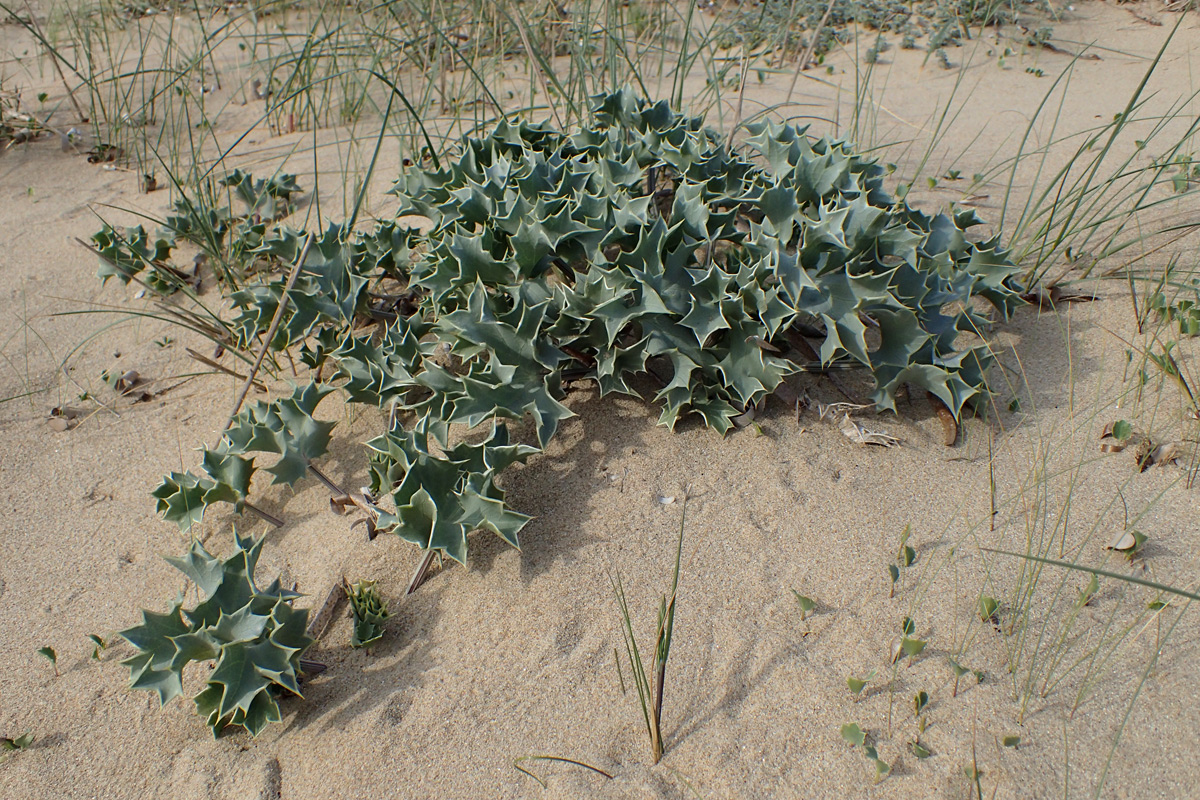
(284, 426)
(539, 258)
(369, 611)
(253, 635)
(440, 498)
(220, 229)
(126, 252)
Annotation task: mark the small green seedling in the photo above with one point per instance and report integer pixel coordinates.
(1088, 592)
(1122, 430)
(855, 736)
(1011, 741)
(48, 653)
(807, 604)
(988, 606)
(960, 671)
(920, 701)
(912, 647)
(894, 574)
(858, 684)
(19, 743)
(369, 610)
(919, 750)
(907, 644)
(99, 646)
(906, 555)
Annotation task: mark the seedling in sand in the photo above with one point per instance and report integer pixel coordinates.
(912, 647)
(19, 743)
(907, 644)
(48, 653)
(856, 737)
(858, 684)
(369, 610)
(650, 686)
(960, 671)
(99, 645)
(919, 750)
(807, 604)
(906, 555)
(988, 608)
(1089, 591)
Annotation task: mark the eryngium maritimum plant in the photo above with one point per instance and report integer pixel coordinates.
(642, 243)
(254, 636)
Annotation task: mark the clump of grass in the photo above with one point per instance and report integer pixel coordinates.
(650, 684)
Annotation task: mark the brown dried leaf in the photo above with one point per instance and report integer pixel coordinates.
(1163, 454)
(949, 423)
(1141, 454)
(763, 344)
(324, 615)
(1124, 540)
(1049, 298)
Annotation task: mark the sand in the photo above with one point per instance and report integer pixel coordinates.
(514, 656)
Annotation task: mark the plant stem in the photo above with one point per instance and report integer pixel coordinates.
(263, 515)
(422, 571)
(283, 302)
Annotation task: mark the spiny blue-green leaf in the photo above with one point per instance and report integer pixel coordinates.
(151, 668)
(256, 639)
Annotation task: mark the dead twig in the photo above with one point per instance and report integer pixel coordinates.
(262, 353)
(808, 51)
(208, 362)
